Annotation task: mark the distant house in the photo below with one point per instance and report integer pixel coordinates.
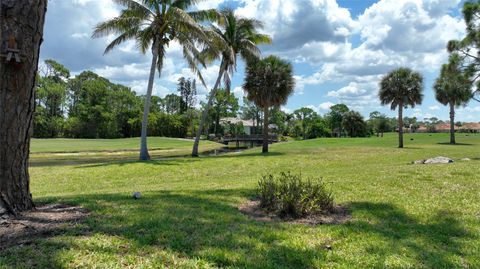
(471, 127)
(422, 129)
(444, 128)
(248, 126)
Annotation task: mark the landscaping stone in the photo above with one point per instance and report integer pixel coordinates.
(438, 160)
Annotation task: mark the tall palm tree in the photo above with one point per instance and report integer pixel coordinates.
(232, 36)
(153, 24)
(453, 88)
(269, 82)
(401, 88)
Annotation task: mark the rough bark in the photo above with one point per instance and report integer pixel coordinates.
(207, 108)
(265, 130)
(144, 156)
(400, 126)
(21, 20)
(452, 123)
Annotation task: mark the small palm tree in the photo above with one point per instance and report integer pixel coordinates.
(401, 88)
(153, 24)
(269, 82)
(232, 37)
(453, 88)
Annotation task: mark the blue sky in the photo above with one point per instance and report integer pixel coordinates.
(339, 48)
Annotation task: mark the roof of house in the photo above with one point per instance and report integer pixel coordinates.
(444, 126)
(246, 123)
(471, 126)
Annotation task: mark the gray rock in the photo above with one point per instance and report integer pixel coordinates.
(137, 195)
(419, 162)
(439, 160)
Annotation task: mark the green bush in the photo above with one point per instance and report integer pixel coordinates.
(290, 195)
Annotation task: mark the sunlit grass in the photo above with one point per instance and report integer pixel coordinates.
(404, 215)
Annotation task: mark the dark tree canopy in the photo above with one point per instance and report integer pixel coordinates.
(269, 82)
(401, 87)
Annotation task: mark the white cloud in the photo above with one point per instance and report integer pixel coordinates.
(325, 106)
(239, 92)
(435, 107)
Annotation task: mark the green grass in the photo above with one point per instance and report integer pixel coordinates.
(52, 152)
(62, 145)
(404, 215)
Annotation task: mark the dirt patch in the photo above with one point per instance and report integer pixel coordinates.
(46, 220)
(252, 209)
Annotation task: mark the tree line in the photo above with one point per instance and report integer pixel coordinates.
(90, 106)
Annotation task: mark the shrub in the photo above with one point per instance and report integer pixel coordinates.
(290, 195)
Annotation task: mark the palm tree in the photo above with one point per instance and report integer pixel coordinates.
(231, 37)
(153, 24)
(401, 88)
(268, 82)
(453, 88)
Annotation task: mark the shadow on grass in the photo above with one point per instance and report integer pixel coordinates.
(434, 242)
(247, 154)
(456, 144)
(207, 225)
(106, 160)
(96, 161)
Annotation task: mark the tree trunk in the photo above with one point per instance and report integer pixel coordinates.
(265, 130)
(400, 125)
(21, 20)
(144, 156)
(452, 123)
(304, 129)
(207, 108)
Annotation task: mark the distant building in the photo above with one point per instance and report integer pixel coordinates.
(248, 126)
(471, 127)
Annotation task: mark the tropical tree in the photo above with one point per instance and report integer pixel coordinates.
(231, 36)
(22, 21)
(401, 88)
(250, 111)
(223, 105)
(468, 47)
(50, 100)
(453, 88)
(379, 123)
(354, 124)
(335, 117)
(154, 24)
(306, 117)
(268, 82)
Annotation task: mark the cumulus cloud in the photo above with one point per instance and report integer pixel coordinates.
(325, 106)
(324, 41)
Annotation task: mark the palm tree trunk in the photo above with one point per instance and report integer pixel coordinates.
(452, 123)
(24, 19)
(207, 108)
(144, 156)
(400, 125)
(265, 130)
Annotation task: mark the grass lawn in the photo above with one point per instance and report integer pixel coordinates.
(46, 152)
(404, 215)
